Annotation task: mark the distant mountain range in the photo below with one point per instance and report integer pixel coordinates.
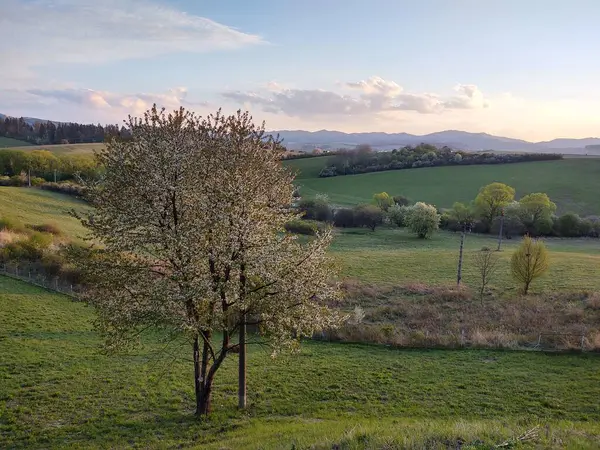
(329, 140)
(307, 140)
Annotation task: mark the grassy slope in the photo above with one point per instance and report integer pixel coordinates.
(34, 206)
(394, 256)
(573, 184)
(10, 142)
(58, 391)
(64, 149)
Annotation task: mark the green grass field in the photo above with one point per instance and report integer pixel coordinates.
(58, 391)
(61, 149)
(36, 207)
(394, 256)
(573, 184)
(10, 142)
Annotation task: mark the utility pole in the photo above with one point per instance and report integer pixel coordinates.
(242, 363)
(460, 255)
(501, 228)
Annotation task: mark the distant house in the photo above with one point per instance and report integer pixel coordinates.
(317, 151)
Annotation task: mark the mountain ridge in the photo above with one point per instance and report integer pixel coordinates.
(304, 140)
(464, 140)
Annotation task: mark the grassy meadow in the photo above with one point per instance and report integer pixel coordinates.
(6, 142)
(36, 207)
(573, 184)
(394, 256)
(58, 391)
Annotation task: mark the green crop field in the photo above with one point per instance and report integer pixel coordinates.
(10, 142)
(36, 207)
(61, 149)
(573, 184)
(59, 391)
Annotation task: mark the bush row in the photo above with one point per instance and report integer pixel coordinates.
(64, 187)
(365, 160)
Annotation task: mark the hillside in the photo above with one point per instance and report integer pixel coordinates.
(573, 184)
(328, 396)
(9, 142)
(36, 207)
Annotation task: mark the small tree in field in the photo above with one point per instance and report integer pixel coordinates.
(398, 214)
(486, 262)
(383, 200)
(369, 216)
(191, 213)
(423, 220)
(529, 261)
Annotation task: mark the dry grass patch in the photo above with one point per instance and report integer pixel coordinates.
(417, 315)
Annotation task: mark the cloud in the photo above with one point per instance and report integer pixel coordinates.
(89, 31)
(376, 95)
(469, 97)
(112, 104)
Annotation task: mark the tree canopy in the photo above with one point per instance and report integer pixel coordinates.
(492, 198)
(191, 214)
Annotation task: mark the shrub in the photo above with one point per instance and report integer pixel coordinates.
(343, 217)
(67, 188)
(30, 249)
(529, 261)
(398, 215)
(316, 209)
(50, 228)
(369, 216)
(301, 227)
(12, 224)
(423, 220)
(569, 225)
(383, 200)
(587, 228)
(401, 200)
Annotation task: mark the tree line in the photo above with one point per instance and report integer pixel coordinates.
(494, 210)
(18, 167)
(49, 133)
(364, 160)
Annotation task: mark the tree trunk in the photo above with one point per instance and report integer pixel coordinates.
(242, 364)
(460, 258)
(202, 383)
(501, 232)
(526, 287)
(29, 177)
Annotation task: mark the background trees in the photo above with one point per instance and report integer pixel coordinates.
(363, 159)
(536, 213)
(191, 213)
(491, 199)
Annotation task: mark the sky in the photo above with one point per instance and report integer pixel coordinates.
(527, 69)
